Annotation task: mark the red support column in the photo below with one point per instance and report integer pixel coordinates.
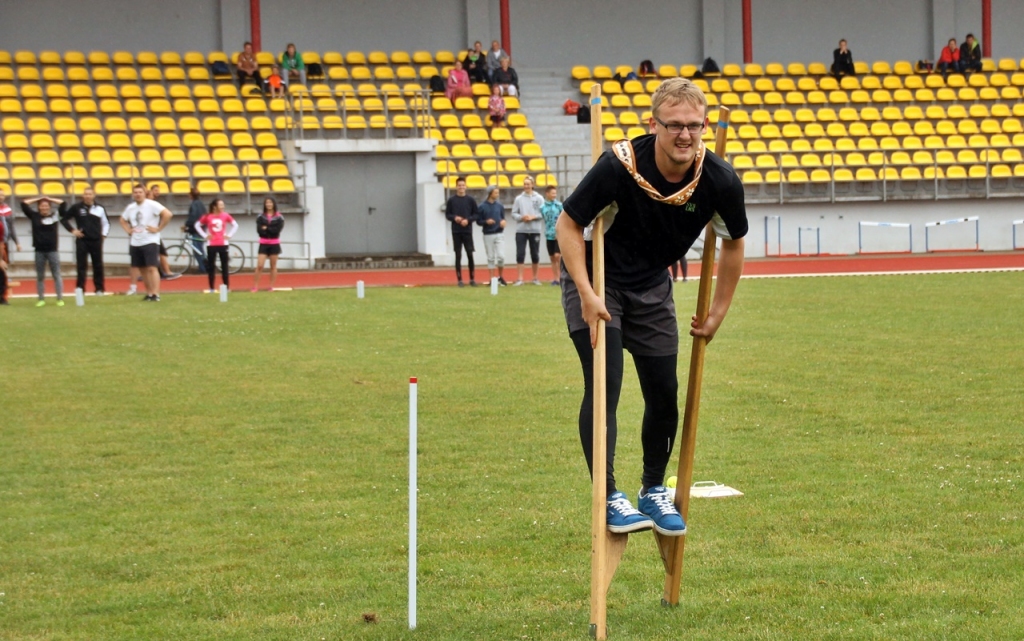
(748, 35)
(506, 29)
(254, 24)
(986, 28)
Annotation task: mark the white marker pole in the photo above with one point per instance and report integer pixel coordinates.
(223, 293)
(360, 289)
(412, 503)
(494, 286)
(79, 297)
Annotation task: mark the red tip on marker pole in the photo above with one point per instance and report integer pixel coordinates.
(412, 379)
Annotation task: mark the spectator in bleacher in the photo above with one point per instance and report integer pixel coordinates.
(506, 78)
(529, 223)
(496, 107)
(275, 83)
(551, 210)
(458, 85)
(7, 218)
(196, 210)
(291, 62)
(842, 61)
(492, 219)
(970, 55)
(646, 68)
(143, 219)
(462, 211)
(247, 67)
(494, 57)
(949, 59)
(269, 225)
(45, 241)
(476, 63)
(90, 230)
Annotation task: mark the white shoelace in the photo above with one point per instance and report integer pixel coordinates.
(663, 502)
(623, 506)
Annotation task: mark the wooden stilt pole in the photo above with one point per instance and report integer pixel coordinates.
(672, 547)
(606, 548)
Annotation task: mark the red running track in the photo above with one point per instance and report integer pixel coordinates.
(432, 276)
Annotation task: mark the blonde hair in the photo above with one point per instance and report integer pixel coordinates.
(676, 90)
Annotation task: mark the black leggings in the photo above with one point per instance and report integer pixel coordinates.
(459, 241)
(212, 253)
(660, 388)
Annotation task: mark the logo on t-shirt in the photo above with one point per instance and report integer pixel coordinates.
(691, 207)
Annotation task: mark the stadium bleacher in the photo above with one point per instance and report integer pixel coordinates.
(794, 124)
(112, 118)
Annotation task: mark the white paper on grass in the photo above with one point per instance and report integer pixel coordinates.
(708, 490)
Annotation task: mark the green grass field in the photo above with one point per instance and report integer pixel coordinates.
(193, 470)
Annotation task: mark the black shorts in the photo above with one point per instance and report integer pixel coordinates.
(145, 256)
(163, 250)
(269, 250)
(647, 319)
(553, 248)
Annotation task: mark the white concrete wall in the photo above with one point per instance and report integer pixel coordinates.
(839, 225)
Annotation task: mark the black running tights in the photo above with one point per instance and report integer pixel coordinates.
(212, 252)
(659, 386)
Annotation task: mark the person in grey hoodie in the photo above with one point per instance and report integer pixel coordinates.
(529, 225)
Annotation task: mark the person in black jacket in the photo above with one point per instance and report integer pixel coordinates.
(462, 211)
(970, 55)
(90, 229)
(842, 61)
(506, 78)
(195, 211)
(44, 240)
(268, 225)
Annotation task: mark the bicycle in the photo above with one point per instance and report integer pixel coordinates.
(184, 255)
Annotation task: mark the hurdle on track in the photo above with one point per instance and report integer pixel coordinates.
(953, 221)
(865, 223)
(800, 240)
(1014, 228)
(778, 237)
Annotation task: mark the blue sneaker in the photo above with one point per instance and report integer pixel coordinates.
(657, 504)
(623, 517)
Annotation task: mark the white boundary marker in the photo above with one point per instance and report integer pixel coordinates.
(412, 502)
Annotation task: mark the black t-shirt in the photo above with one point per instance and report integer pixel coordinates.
(464, 207)
(647, 236)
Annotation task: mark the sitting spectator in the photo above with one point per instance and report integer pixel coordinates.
(247, 67)
(275, 83)
(842, 61)
(494, 57)
(970, 55)
(949, 59)
(291, 62)
(458, 85)
(476, 63)
(646, 68)
(506, 78)
(496, 107)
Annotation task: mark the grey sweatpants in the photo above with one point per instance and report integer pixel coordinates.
(53, 258)
(494, 244)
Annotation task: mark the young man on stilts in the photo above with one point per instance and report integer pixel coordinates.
(662, 189)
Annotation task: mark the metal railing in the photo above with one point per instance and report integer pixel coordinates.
(332, 110)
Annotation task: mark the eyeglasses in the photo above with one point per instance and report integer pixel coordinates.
(694, 127)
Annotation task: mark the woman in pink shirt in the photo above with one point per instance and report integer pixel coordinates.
(217, 227)
(458, 85)
(268, 225)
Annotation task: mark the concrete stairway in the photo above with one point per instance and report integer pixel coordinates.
(544, 92)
